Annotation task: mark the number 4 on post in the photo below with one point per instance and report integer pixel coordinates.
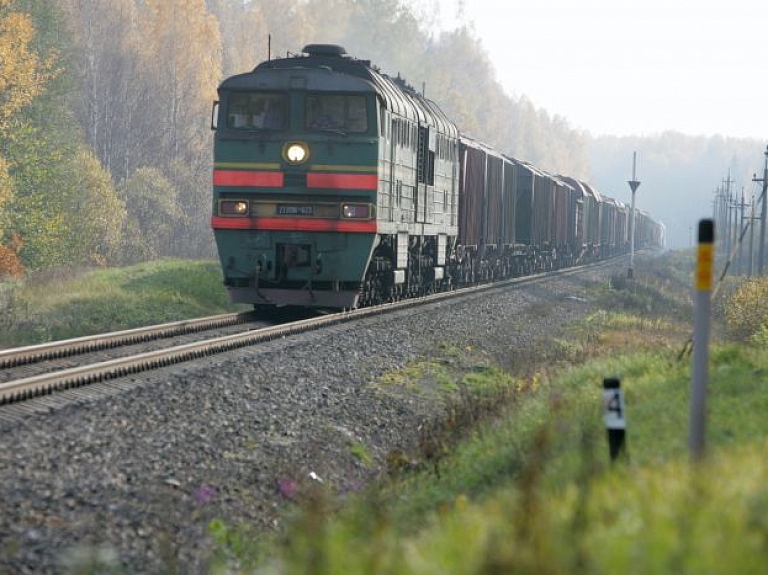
(613, 415)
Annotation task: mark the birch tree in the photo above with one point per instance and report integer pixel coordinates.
(181, 51)
(106, 63)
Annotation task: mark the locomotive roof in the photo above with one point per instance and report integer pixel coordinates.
(352, 74)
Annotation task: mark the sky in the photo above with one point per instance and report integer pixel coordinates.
(640, 67)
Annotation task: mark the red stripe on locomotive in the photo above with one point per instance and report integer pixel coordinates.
(342, 181)
(248, 178)
(294, 224)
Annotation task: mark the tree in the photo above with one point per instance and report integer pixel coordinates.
(461, 82)
(6, 193)
(10, 264)
(98, 211)
(149, 70)
(22, 78)
(153, 217)
(192, 234)
(183, 81)
(64, 209)
(106, 63)
(22, 74)
(387, 33)
(244, 33)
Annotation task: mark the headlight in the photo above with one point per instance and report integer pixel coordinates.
(296, 152)
(233, 208)
(356, 211)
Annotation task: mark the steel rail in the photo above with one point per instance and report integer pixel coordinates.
(64, 348)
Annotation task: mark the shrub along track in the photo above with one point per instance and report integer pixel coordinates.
(237, 435)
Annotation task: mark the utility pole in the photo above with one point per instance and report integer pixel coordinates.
(742, 229)
(751, 261)
(761, 247)
(719, 214)
(727, 227)
(729, 219)
(634, 183)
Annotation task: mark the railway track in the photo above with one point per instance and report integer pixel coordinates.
(89, 366)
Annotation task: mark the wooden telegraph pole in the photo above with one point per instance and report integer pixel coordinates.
(761, 247)
(634, 183)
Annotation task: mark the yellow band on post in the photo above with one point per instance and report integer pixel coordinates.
(704, 267)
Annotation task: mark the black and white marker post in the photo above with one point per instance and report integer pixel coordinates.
(701, 312)
(615, 420)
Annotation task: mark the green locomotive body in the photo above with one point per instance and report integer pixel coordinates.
(334, 185)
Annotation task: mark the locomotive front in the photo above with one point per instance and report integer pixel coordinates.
(294, 182)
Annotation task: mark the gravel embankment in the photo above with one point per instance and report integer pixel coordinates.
(138, 475)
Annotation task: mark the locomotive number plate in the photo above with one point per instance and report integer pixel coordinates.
(295, 210)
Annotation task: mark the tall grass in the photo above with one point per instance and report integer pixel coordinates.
(61, 304)
(534, 491)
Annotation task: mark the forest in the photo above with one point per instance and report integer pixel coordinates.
(105, 112)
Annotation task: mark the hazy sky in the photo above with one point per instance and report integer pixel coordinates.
(637, 67)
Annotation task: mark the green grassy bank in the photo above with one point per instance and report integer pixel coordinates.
(65, 303)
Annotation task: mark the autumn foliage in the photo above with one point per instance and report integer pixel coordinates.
(10, 264)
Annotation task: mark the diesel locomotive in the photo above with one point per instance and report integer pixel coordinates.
(336, 186)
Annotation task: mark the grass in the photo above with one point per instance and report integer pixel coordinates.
(361, 453)
(534, 491)
(528, 486)
(71, 303)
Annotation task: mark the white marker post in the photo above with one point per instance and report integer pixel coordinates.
(701, 312)
(614, 417)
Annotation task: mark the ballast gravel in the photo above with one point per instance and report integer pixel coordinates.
(132, 480)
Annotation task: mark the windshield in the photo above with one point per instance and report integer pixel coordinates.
(261, 110)
(336, 112)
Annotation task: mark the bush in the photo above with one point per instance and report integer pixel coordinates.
(745, 310)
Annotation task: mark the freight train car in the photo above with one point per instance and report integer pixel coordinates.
(337, 186)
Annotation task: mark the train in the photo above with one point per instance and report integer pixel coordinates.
(336, 186)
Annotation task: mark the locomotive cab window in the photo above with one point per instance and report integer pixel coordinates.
(260, 110)
(336, 112)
